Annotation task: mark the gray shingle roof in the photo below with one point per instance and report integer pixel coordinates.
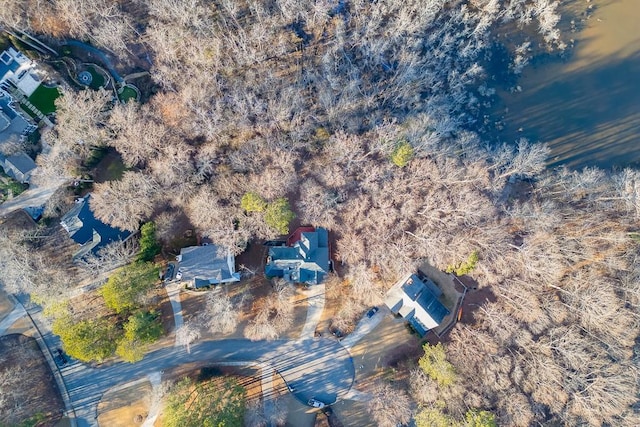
(207, 265)
(21, 162)
(306, 261)
(89, 232)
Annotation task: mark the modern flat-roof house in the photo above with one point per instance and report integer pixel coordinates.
(18, 70)
(18, 166)
(201, 266)
(90, 233)
(304, 259)
(13, 124)
(415, 299)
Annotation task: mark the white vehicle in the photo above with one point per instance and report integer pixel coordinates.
(316, 403)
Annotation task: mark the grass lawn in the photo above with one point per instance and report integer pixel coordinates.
(97, 79)
(9, 185)
(107, 167)
(127, 93)
(44, 99)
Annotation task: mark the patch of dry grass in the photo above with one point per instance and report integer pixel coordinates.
(125, 407)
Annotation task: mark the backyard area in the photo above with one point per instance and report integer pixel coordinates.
(44, 99)
(127, 93)
(97, 79)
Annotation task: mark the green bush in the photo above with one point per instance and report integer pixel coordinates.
(126, 287)
(434, 363)
(149, 246)
(140, 330)
(216, 402)
(87, 340)
(402, 154)
(278, 215)
(476, 418)
(252, 202)
(466, 267)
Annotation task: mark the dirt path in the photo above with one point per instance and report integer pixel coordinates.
(155, 379)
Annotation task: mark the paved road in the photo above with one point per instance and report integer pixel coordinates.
(36, 195)
(319, 368)
(11, 318)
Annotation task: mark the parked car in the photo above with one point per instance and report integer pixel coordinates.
(60, 357)
(371, 312)
(168, 275)
(316, 403)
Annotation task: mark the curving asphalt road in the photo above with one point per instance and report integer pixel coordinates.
(319, 368)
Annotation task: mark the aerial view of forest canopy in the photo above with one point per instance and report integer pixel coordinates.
(373, 120)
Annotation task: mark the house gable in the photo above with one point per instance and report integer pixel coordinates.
(305, 259)
(90, 233)
(202, 266)
(414, 300)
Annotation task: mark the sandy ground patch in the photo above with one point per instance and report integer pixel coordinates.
(125, 407)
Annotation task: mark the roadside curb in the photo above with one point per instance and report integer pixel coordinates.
(46, 352)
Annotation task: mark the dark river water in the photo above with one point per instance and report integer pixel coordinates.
(587, 108)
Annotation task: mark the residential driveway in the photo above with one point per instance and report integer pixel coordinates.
(366, 325)
(315, 306)
(173, 291)
(36, 195)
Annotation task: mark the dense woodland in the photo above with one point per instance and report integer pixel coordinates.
(361, 115)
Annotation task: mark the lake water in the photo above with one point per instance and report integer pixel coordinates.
(586, 108)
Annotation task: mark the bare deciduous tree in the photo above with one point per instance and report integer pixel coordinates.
(187, 334)
(125, 203)
(389, 406)
(222, 315)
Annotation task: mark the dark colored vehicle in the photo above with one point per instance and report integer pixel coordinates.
(168, 275)
(275, 243)
(60, 357)
(337, 332)
(371, 312)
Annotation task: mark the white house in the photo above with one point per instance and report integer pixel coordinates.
(17, 69)
(18, 166)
